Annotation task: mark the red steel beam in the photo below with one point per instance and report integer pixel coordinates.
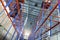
(22, 1)
(55, 6)
(51, 28)
(7, 12)
(56, 16)
(47, 26)
(53, 20)
(18, 7)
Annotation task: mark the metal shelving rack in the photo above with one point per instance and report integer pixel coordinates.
(41, 28)
(8, 14)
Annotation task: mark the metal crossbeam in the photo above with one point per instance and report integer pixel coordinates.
(47, 16)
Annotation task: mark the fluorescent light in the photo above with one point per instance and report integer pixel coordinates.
(25, 21)
(26, 34)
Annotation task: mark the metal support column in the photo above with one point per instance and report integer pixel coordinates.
(50, 24)
(59, 9)
(13, 35)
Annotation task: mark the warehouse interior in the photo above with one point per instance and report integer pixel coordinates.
(29, 19)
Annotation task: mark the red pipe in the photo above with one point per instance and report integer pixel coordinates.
(48, 16)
